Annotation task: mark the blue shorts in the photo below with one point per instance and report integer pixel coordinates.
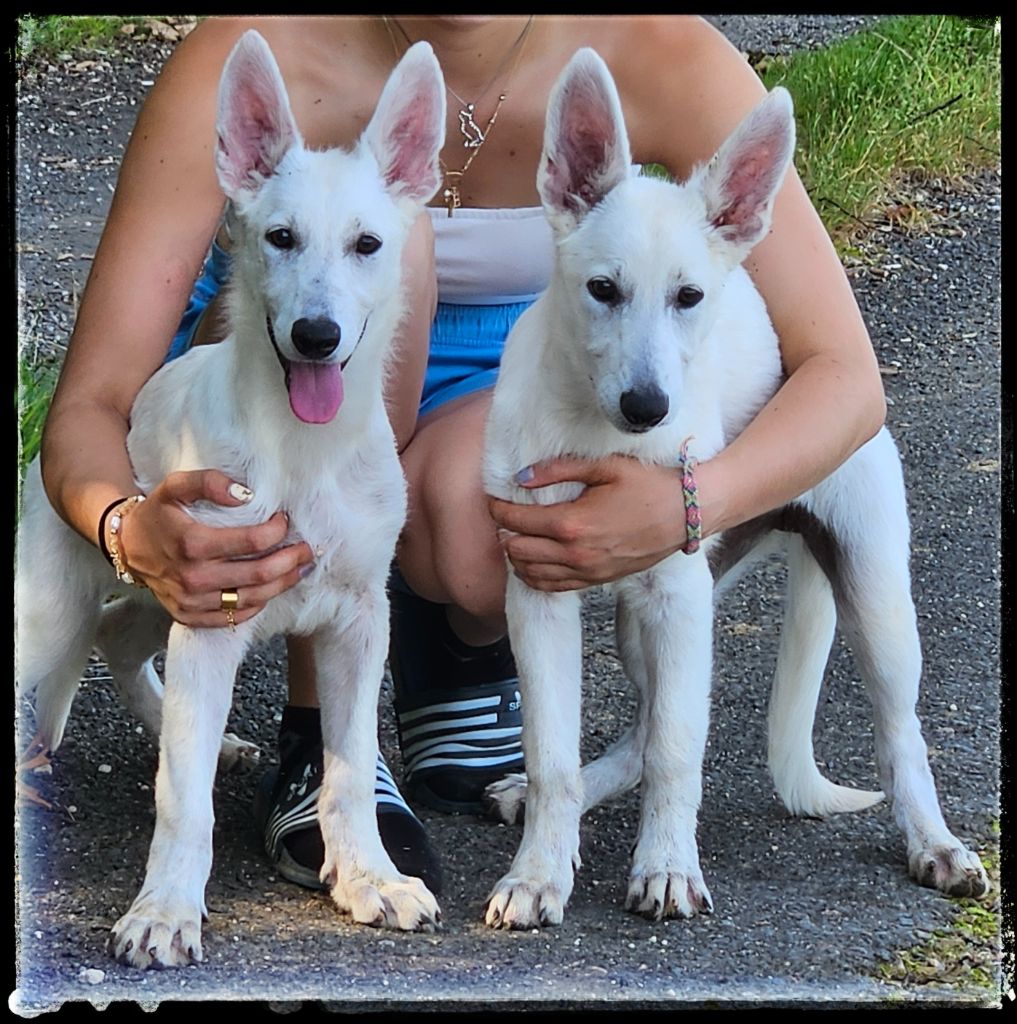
(465, 346)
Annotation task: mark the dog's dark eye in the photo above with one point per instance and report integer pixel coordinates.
(603, 290)
(366, 244)
(688, 295)
(281, 238)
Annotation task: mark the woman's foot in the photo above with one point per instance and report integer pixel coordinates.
(457, 706)
(286, 802)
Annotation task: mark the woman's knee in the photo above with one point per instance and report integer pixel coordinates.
(450, 551)
(450, 554)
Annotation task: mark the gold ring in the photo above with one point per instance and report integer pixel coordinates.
(228, 602)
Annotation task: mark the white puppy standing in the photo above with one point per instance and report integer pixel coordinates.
(292, 404)
(651, 333)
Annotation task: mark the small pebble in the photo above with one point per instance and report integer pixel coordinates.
(105, 768)
(92, 975)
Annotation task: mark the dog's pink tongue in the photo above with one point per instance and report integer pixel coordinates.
(316, 391)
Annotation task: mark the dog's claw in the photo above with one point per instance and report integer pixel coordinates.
(156, 935)
(656, 895)
(401, 904)
(952, 869)
(519, 904)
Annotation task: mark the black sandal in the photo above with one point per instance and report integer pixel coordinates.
(457, 707)
(286, 811)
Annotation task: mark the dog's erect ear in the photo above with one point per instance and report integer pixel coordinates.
(407, 130)
(255, 124)
(742, 180)
(586, 148)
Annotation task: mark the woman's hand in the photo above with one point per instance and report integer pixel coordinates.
(187, 565)
(630, 516)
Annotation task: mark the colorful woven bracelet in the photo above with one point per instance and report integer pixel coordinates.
(693, 519)
(116, 519)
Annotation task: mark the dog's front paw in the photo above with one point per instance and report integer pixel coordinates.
(952, 869)
(237, 753)
(404, 903)
(518, 903)
(506, 799)
(657, 894)
(157, 935)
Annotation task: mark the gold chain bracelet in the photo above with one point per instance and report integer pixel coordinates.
(116, 520)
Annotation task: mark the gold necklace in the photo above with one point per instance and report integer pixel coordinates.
(472, 133)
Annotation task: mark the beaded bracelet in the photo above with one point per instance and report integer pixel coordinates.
(103, 546)
(693, 518)
(116, 519)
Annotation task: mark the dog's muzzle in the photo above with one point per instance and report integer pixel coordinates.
(314, 383)
(315, 338)
(644, 408)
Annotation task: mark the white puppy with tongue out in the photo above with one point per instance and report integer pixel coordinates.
(315, 287)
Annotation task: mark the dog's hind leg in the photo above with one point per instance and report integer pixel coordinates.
(162, 928)
(50, 662)
(131, 632)
(621, 765)
(878, 616)
(57, 601)
(809, 621)
(618, 769)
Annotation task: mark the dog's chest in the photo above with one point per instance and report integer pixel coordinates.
(349, 519)
(352, 541)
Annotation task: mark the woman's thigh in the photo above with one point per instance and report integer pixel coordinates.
(449, 552)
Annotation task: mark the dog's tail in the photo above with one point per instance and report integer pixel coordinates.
(809, 620)
(57, 603)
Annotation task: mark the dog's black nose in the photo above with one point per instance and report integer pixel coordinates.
(644, 407)
(315, 338)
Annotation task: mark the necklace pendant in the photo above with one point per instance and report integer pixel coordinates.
(451, 193)
(471, 131)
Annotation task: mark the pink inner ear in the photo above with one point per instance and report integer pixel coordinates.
(257, 131)
(410, 160)
(747, 189)
(585, 151)
(580, 172)
(410, 154)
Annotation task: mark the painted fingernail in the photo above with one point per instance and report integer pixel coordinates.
(524, 476)
(306, 569)
(240, 492)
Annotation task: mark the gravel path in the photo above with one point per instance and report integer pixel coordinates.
(806, 911)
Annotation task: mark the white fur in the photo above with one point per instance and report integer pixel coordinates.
(566, 365)
(226, 406)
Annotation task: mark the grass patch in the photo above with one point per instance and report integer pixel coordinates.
(50, 34)
(35, 389)
(917, 95)
(969, 954)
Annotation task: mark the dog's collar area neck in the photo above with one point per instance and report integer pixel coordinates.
(285, 363)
